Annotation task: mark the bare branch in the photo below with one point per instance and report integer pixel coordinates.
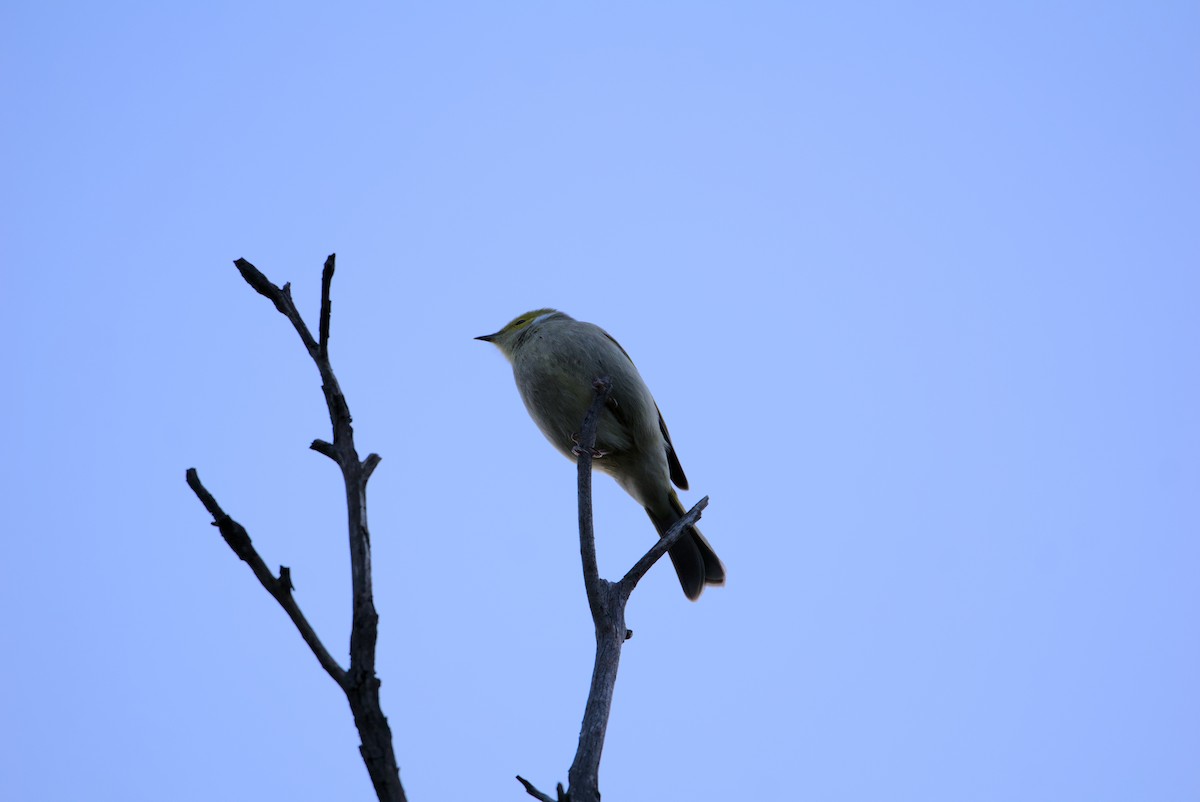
(607, 602)
(585, 451)
(583, 778)
(358, 681)
(369, 465)
(281, 588)
(664, 544)
(536, 794)
(326, 304)
(322, 447)
(280, 296)
(259, 282)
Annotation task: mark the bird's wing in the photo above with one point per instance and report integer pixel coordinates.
(613, 340)
(677, 474)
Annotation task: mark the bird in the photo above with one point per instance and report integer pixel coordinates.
(555, 360)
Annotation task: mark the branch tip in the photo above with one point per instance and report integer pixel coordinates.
(326, 305)
(254, 277)
(324, 447)
(370, 464)
(535, 793)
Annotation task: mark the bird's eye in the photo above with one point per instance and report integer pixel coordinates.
(519, 322)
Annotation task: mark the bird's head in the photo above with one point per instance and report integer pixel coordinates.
(511, 336)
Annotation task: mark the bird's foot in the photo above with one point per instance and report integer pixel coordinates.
(577, 450)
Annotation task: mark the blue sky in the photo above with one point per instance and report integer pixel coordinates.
(917, 288)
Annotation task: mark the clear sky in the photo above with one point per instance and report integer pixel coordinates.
(916, 286)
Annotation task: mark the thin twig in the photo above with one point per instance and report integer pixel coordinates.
(322, 447)
(281, 588)
(326, 305)
(369, 465)
(585, 451)
(664, 544)
(280, 296)
(535, 793)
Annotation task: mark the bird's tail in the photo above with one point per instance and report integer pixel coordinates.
(695, 562)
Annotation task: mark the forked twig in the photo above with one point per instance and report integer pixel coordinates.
(607, 602)
(359, 682)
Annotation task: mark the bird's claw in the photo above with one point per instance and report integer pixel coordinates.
(597, 453)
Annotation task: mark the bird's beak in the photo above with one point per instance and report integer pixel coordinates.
(487, 338)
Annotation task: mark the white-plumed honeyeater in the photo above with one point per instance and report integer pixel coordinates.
(555, 360)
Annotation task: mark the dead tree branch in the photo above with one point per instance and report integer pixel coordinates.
(280, 587)
(359, 682)
(607, 602)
